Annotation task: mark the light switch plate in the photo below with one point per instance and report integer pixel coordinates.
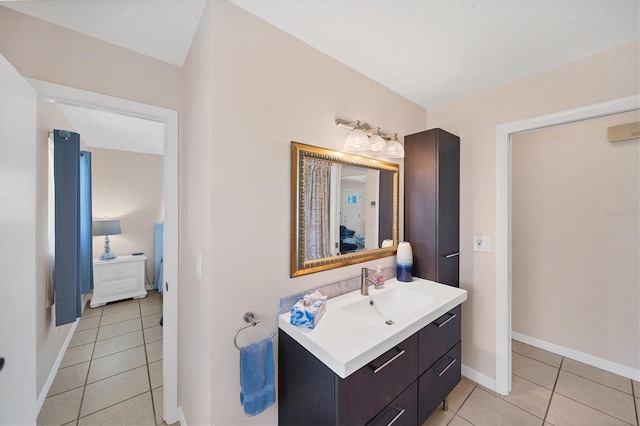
(482, 244)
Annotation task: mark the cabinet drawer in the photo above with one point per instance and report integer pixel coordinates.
(438, 337)
(122, 286)
(369, 390)
(118, 271)
(438, 381)
(403, 411)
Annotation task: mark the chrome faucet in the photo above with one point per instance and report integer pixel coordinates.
(364, 285)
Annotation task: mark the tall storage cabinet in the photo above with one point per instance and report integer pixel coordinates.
(432, 204)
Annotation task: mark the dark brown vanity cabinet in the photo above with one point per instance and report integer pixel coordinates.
(432, 204)
(401, 386)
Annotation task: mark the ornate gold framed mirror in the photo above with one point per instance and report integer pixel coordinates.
(344, 209)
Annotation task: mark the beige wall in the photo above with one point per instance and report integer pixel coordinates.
(575, 238)
(195, 298)
(128, 186)
(608, 75)
(255, 89)
(45, 51)
(49, 338)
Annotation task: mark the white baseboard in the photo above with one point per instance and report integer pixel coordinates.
(478, 377)
(181, 418)
(56, 365)
(594, 361)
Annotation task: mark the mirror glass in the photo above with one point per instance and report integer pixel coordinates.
(344, 209)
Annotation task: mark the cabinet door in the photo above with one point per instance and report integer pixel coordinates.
(437, 382)
(438, 337)
(370, 389)
(448, 208)
(403, 411)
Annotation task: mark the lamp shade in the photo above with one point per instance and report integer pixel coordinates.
(106, 227)
(357, 141)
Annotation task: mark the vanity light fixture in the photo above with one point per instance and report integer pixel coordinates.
(365, 138)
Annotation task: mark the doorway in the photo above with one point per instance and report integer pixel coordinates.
(169, 118)
(503, 216)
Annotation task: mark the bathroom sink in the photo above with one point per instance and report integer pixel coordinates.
(385, 307)
(353, 331)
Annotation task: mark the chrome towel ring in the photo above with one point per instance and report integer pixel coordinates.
(248, 318)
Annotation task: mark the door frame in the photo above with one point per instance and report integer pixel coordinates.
(81, 98)
(503, 215)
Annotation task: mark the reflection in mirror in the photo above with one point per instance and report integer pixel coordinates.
(345, 209)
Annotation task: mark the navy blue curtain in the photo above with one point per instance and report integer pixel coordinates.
(73, 264)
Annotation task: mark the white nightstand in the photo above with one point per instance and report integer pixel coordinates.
(117, 279)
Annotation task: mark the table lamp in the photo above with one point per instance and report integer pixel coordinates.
(106, 227)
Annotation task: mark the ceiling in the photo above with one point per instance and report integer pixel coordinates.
(429, 51)
(162, 29)
(102, 129)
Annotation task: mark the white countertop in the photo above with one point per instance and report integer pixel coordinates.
(345, 344)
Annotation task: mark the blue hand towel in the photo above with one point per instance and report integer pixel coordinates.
(257, 390)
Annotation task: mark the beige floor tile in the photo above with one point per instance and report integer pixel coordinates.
(595, 395)
(469, 380)
(529, 396)
(154, 351)
(115, 389)
(155, 374)
(439, 417)
(534, 371)
(119, 328)
(61, 408)
(80, 338)
(636, 388)
(564, 411)
(459, 421)
(459, 394)
(121, 305)
(88, 323)
(72, 423)
(77, 355)
(91, 312)
(147, 310)
(151, 320)
(152, 334)
(117, 363)
(638, 409)
(117, 344)
(152, 297)
(536, 353)
(69, 378)
(597, 375)
(482, 408)
(119, 316)
(137, 411)
(158, 404)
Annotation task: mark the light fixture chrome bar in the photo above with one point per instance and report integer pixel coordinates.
(350, 125)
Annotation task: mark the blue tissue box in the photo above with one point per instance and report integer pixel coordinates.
(307, 316)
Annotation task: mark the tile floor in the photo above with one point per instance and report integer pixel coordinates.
(547, 389)
(111, 373)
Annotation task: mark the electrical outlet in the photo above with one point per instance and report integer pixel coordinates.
(482, 244)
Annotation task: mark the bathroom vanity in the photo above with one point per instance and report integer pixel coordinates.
(393, 361)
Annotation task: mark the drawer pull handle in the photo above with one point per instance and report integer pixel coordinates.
(447, 367)
(396, 356)
(446, 321)
(449, 256)
(400, 412)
